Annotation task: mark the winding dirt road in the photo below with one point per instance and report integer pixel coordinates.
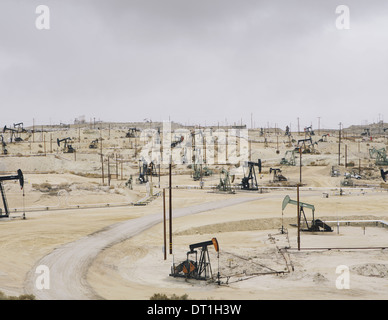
(68, 264)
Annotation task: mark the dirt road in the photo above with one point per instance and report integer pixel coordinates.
(69, 263)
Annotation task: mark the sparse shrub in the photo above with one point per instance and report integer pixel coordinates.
(162, 296)
(43, 187)
(21, 297)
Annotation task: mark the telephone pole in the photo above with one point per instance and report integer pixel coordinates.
(170, 205)
(319, 125)
(339, 144)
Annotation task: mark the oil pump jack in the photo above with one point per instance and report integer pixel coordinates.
(250, 182)
(132, 132)
(316, 224)
(19, 177)
(19, 127)
(199, 270)
(93, 144)
(146, 170)
(225, 182)
(305, 148)
(14, 134)
(277, 176)
(68, 148)
(309, 131)
(289, 158)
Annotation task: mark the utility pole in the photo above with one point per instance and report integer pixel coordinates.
(108, 171)
(164, 224)
(102, 160)
(298, 215)
(102, 168)
(170, 204)
(300, 165)
(159, 175)
(121, 168)
(339, 144)
(117, 168)
(319, 125)
(298, 126)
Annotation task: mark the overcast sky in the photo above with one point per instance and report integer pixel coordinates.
(195, 62)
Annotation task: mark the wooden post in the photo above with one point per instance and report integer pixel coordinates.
(102, 159)
(250, 149)
(298, 215)
(170, 209)
(298, 127)
(117, 168)
(226, 147)
(346, 155)
(300, 165)
(121, 160)
(159, 175)
(102, 168)
(204, 148)
(164, 225)
(108, 172)
(201, 180)
(339, 145)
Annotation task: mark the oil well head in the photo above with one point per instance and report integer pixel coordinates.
(194, 268)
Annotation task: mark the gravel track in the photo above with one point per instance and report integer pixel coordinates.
(69, 263)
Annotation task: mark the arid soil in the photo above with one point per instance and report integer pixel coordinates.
(99, 243)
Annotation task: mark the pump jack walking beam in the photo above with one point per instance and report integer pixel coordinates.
(19, 177)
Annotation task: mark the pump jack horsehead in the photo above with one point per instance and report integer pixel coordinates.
(19, 177)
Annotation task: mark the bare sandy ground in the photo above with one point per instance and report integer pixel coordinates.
(97, 245)
(249, 249)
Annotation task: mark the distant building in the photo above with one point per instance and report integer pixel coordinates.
(79, 120)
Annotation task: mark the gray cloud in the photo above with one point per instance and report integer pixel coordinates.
(195, 61)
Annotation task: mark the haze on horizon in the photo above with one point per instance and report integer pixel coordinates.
(260, 62)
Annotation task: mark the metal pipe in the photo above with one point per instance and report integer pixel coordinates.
(341, 248)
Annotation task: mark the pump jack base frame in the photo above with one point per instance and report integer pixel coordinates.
(5, 217)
